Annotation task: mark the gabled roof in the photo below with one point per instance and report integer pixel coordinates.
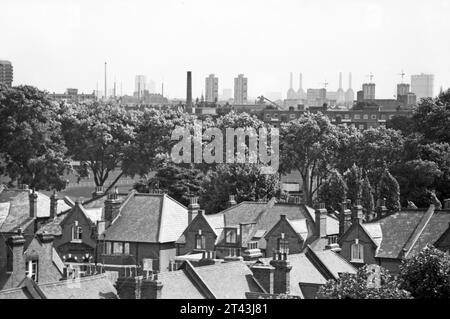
(230, 280)
(90, 287)
(314, 267)
(15, 209)
(178, 285)
(151, 218)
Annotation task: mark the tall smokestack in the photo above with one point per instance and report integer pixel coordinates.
(340, 80)
(189, 89)
(300, 84)
(290, 80)
(350, 80)
(106, 87)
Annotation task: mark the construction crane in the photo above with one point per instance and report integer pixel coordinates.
(370, 76)
(262, 98)
(402, 75)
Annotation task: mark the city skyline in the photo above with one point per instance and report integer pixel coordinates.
(375, 26)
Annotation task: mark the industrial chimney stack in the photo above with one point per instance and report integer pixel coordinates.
(189, 89)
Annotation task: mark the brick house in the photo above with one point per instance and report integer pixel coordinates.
(141, 231)
(392, 238)
(38, 261)
(253, 229)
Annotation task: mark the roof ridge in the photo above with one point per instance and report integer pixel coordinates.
(197, 280)
(418, 230)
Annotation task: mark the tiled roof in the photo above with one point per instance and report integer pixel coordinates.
(335, 263)
(18, 214)
(407, 232)
(149, 218)
(229, 280)
(177, 285)
(89, 287)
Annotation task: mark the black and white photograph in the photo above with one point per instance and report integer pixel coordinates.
(263, 152)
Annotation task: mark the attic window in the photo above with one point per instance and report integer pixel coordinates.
(357, 252)
(230, 236)
(77, 232)
(200, 241)
(283, 244)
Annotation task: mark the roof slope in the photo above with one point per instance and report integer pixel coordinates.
(177, 285)
(229, 280)
(150, 218)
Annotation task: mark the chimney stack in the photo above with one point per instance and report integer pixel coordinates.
(112, 207)
(231, 201)
(33, 204)
(99, 191)
(321, 221)
(189, 89)
(193, 208)
(16, 244)
(345, 218)
(264, 274)
(282, 269)
(53, 205)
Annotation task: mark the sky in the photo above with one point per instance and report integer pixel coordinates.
(59, 44)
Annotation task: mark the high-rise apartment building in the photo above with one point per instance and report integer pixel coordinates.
(422, 85)
(240, 90)
(211, 88)
(140, 82)
(6, 72)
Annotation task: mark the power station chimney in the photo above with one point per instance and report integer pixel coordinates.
(290, 80)
(340, 80)
(350, 80)
(300, 82)
(106, 87)
(189, 89)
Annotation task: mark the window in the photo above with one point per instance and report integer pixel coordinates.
(117, 248)
(346, 116)
(357, 116)
(31, 269)
(108, 247)
(292, 116)
(275, 115)
(268, 116)
(283, 244)
(126, 248)
(357, 251)
(200, 241)
(366, 116)
(230, 236)
(361, 126)
(77, 232)
(374, 116)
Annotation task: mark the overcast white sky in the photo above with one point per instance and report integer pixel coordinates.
(55, 44)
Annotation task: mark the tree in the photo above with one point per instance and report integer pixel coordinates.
(97, 135)
(244, 181)
(334, 191)
(390, 190)
(355, 286)
(367, 200)
(427, 274)
(353, 179)
(32, 150)
(180, 181)
(309, 144)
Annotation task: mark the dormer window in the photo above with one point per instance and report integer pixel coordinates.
(357, 252)
(77, 232)
(333, 239)
(252, 245)
(200, 240)
(31, 269)
(283, 244)
(230, 236)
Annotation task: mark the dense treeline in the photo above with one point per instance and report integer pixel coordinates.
(407, 161)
